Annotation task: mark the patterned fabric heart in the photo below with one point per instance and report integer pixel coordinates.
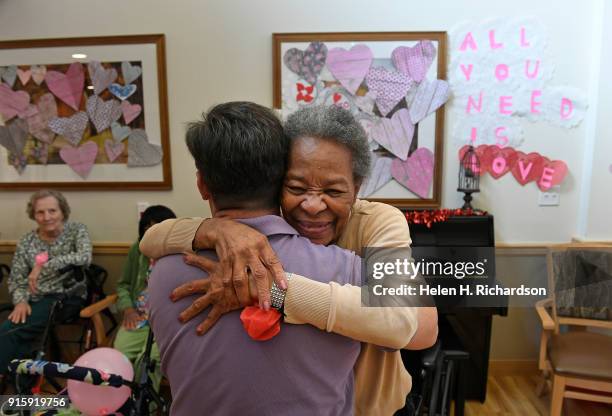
(122, 92)
(141, 152)
(130, 111)
(309, 63)
(430, 96)
(24, 75)
(13, 136)
(120, 132)
(38, 117)
(9, 75)
(395, 134)
(350, 67)
(414, 61)
(12, 103)
(71, 128)
(102, 113)
(68, 87)
(380, 176)
(81, 159)
(388, 86)
(101, 77)
(113, 149)
(416, 172)
(38, 73)
(130, 72)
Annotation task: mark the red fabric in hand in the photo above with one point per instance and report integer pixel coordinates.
(261, 325)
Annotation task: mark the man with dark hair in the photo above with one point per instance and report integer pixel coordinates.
(240, 152)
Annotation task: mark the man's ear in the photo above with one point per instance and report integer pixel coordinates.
(357, 188)
(202, 187)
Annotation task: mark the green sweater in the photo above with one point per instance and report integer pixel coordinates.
(134, 278)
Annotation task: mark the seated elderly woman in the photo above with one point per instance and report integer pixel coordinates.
(328, 160)
(35, 282)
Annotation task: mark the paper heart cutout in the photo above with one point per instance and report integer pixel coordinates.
(113, 149)
(81, 159)
(395, 134)
(528, 167)
(430, 96)
(350, 67)
(38, 73)
(9, 75)
(141, 152)
(308, 63)
(553, 173)
(38, 117)
(416, 172)
(68, 87)
(130, 72)
(24, 75)
(365, 103)
(499, 160)
(101, 77)
(102, 113)
(19, 162)
(389, 87)
(41, 152)
(119, 132)
(12, 103)
(71, 128)
(130, 111)
(414, 61)
(122, 92)
(13, 136)
(379, 177)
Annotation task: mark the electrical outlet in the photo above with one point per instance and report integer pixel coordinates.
(549, 198)
(141, 207)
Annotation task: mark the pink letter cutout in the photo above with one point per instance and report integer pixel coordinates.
(501, 72)
(467, 71)
(494, 44)
(468, 41)
(534, 73)
(546, 179)
(505, 101)
(567, 108)
(498, 165)
(535, 104)
(471, 103)
(501, 140)
(524, 42)
(524, 171)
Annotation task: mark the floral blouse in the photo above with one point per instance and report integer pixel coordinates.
(71, 247)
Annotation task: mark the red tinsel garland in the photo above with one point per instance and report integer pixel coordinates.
(431, 216)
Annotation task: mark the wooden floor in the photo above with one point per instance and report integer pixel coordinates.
(515, 395)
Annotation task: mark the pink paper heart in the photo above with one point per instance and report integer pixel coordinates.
(388, 86)
(113, 149)
(71, 128)
(499, 160)
(380, 176)
(12, 103)
(102, 113)
(416, 172)
(308, 63)
(528, 167)
(38, 73)
(395, 134)
(80, 159)
(350, 67)
(430, 96)
(13, 136)
(414, 61)
(130, 111)
(67, 87)
(38, 117)
(24, 75)
(101, 77)
(553, 173)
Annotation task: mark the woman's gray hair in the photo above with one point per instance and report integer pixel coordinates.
(43, 193)
(333, 123)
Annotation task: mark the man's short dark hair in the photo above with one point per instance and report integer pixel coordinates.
(153, 215)
(241, 152)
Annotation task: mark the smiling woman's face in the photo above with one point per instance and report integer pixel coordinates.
(319, 189)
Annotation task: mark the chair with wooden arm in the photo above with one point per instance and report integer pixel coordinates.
(95, 312)
(579, 360)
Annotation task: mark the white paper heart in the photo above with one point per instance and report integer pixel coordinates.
(430, 96)
(9, 75)
(141, 152)
(13, 136)
(395, 134)
(379, 177)
(130, 72)
(38, 73)
(113, 149)
(71, 128)
(101, 77)
(102, 113)
(120, 132)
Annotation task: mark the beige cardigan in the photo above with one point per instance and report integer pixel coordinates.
(381, 381)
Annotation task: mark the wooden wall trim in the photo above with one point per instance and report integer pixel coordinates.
(508, 367)
(101, 247)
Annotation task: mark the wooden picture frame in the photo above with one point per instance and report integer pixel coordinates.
(123, 81)
(291, 90)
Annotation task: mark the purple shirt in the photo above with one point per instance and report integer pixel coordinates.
(301, 371)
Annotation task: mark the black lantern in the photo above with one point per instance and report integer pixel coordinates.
(469, 176)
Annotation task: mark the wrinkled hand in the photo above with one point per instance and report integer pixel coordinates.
(33, 278)
(131, 317)
(21, 311)
(241, 250)
(217, 290)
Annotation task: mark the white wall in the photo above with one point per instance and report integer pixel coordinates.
(221, 50)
